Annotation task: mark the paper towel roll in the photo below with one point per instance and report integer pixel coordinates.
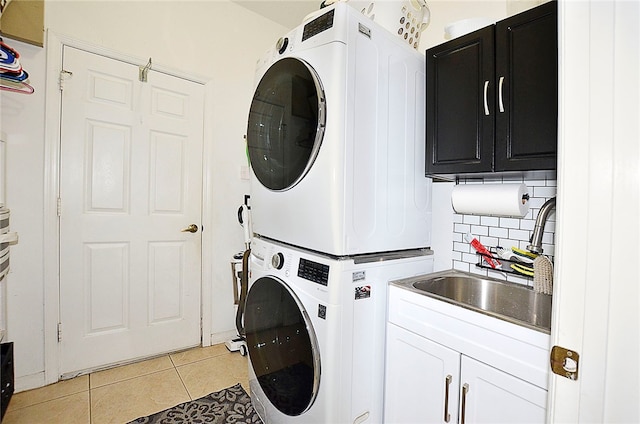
(491, 199)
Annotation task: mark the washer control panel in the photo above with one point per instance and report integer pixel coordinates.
(313, 271)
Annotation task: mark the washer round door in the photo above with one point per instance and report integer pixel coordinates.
(286, 124)
(283, 349)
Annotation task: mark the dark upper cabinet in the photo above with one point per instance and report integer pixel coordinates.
(492, 98)
(460, 76)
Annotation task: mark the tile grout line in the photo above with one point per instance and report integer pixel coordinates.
(180, 377)
(90, 406)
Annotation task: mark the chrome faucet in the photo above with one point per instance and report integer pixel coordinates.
(536, 237)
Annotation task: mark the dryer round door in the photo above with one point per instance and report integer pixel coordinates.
(283, 349)
(286, 124)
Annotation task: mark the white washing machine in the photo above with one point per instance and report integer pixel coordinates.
(315, 330)
(336, 138)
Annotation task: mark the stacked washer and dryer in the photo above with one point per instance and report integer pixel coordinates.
(340, 206)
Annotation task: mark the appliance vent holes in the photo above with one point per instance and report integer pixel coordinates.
(368, 11)
(409, 28)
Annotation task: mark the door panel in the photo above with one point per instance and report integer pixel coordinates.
(460, 111)
(130, 181)
(527, 66)
(494, 396)
(422, 378)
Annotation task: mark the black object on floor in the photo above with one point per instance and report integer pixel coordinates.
(7, 375)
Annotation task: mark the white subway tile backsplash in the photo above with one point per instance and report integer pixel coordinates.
(505, 232)
(544, 192)
(519, 234)
(471, 219)
(461, 266)
(532, 184)
(509, 223)
(536, 203)
(461, 228)
(470, 258)
(498, 232)
(489, 241)
(461, 247)
(528, 224)
(490, 221)
(548, 249)
(479, 230)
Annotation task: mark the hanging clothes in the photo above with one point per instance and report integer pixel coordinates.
(12, 76)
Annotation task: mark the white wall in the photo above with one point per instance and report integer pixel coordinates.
(446, 12)
(217, 40)
(22, 121)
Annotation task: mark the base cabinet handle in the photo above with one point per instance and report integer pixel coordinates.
(447, 383)
(465, 390)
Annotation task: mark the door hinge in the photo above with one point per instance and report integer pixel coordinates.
(63, 74)
(59, 207)
(564, 362)
(59, 332)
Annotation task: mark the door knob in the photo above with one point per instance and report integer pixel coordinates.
(193, 228)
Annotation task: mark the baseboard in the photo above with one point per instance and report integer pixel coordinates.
(28, 382)
(218, 338)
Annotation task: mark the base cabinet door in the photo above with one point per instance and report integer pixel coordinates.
(427, 382)
(489, 395)
(422, 380)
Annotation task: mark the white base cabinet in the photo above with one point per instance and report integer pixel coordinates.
(489, 395)
(422, 379)
(434, 376)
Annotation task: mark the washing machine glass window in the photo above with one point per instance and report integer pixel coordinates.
(286, 124)
(282, 345)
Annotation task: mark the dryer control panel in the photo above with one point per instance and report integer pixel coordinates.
(319, 24)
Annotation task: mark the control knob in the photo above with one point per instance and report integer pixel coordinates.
(282, 44)
(277, 260)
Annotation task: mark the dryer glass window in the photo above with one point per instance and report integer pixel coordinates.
(286, 124)
(282, 346)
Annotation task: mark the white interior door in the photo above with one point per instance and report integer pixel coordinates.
(130, 181)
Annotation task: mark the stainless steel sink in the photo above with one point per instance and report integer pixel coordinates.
(508, 301)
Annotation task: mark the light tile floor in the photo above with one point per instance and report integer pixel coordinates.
(122, 394)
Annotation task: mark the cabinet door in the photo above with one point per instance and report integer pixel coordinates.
(422, 378)
(527, 90)
(460, 99)
(492, 396)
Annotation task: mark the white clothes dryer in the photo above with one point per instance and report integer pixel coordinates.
(315, 331)
(336, 139)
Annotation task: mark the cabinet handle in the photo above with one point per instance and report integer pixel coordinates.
(447, 383)
(465, 390)
(500, 94)
(486, 104)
